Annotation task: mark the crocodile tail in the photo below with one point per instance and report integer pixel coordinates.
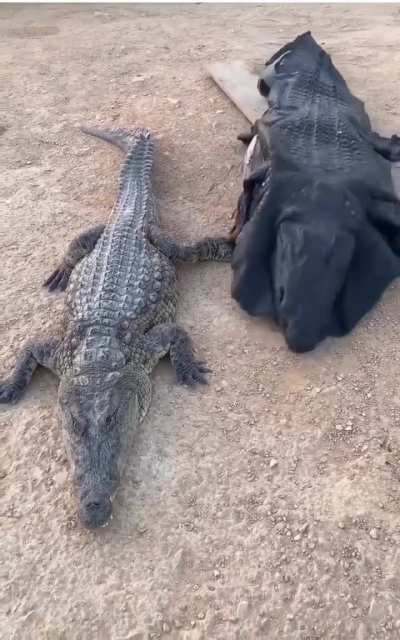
(124, 139)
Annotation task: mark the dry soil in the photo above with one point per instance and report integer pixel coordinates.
(267, 504)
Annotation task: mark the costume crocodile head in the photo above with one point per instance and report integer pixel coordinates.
(312, 253)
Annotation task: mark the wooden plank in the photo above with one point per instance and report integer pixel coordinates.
(238, 80)
(239, 83)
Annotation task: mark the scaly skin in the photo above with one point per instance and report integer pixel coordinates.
(119, 321)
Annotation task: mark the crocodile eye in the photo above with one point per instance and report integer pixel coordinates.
(78, 426)
(110, 420)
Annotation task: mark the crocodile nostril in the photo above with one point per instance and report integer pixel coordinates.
(91, 506)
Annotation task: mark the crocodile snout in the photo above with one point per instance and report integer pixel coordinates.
(95, 511)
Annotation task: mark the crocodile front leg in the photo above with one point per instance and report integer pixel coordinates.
(34, 354)
(80, 247)
(171, 338)
(389, 148)
(207, 250)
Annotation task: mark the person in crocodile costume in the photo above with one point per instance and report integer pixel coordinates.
(317, 229)
(119, 321)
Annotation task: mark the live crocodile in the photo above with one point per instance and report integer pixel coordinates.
(318, 224)
(119, 322)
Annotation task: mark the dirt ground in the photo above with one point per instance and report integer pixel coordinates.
(267, 504)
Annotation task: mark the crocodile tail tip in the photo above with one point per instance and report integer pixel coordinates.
(121, 138)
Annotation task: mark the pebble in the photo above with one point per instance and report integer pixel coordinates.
(166, 628)
(373, 534)
(338, 427)
(273, 463)
(242, 609)
(341, 525)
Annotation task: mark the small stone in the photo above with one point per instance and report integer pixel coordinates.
(297, 537)
(341, 525)
(373, 534)
(201, 615)
(217, 573)
(166, 628)
(290, 616)
(141, 529)
(242, 609)
(273, 463)
(338, 427)
(193, 623)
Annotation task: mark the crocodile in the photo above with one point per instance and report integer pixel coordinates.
(317, 229)
(119, 321)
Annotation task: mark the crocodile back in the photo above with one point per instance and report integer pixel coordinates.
(125, 277)
(314, 123)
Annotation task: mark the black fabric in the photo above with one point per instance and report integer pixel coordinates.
(318, 232)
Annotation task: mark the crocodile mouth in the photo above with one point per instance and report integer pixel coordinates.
(95, 511)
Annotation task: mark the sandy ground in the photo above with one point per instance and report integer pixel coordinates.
(265, 505)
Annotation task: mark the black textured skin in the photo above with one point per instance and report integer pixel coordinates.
(119, 322)
(317, 226)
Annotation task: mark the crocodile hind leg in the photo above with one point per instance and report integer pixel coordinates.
(208, 249)
(34, 354)
(171, 338)
(80, 247)
(389, 148)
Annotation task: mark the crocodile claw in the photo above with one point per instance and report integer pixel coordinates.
(9, 393)
(192, 373)
(59, 279)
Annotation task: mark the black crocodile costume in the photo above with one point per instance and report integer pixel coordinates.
(318, 222)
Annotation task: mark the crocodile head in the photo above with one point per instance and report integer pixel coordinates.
(311, 260)
(96, 416)
(303, 55)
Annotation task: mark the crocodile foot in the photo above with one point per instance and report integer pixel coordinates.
(9, 393)
(59, 278)
(190, 372)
